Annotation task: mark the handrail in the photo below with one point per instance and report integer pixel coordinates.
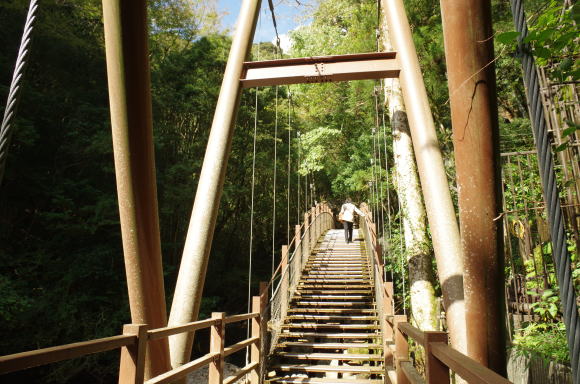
(44, 356)
(133, 344)
(160, 333)
(440, 358)
(303, 229)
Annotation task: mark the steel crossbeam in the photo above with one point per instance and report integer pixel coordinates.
(323, 69)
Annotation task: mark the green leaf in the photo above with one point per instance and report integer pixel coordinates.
(544, 35)
(566, 64)
(561, 147)
(542, 52)
(570, 130)
(547, 293)
(507, 37)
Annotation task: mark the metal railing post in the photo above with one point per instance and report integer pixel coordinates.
(216, 345)
(132, 363)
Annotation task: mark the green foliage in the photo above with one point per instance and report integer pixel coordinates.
(545, 340)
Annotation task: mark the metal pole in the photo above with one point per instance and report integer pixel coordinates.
(467, 31)
(191, 278)
(131, 121)
(440, 211)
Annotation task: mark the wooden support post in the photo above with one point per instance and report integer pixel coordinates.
(256, 347)
(387, 319)
(285, 282)
(306, 240)
(132, 366)
(298, 244)
(401, 350)
(435, 370)
(216, 345)
(313, 236)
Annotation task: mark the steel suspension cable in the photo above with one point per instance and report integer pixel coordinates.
(289, 163)
(377, 127)
(274, 187)
(389, 223)
(550, 191)
(6, 127)
(253, 189)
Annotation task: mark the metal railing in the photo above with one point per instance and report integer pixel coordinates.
(440, 358)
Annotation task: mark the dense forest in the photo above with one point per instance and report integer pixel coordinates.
(61, 260)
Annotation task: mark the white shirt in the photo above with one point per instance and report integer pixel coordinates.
(348, 210)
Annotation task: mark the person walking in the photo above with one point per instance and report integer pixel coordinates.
(346, 215)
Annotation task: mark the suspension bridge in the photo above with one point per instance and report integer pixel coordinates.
(328, 315)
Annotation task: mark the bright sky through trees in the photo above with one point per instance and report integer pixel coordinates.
(289, 15)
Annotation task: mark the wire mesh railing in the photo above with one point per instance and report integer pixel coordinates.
(287, 275)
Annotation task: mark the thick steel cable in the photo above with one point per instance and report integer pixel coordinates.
(550, 191)
(6, 128)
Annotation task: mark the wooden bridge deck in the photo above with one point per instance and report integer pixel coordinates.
(331, 334)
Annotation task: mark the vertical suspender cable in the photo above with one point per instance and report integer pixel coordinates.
(289, 166)
(274, 187)
(550, 191)
(253, 189)
(14, 90)
(298, 218)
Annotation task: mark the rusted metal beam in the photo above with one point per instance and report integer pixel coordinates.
(438, 203)
(131, 122)
(468, 37)
(191, 278)
(323, 69)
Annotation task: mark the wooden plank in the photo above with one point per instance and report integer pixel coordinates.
(332, 335)
(331, 356)
(330, 368)
(239, 346)
(236, 318)
(159, 333)
(25, 360)
(322, 380)
(335, 326)
(332, 345)
(467, 368)
(245, 370)
(184, 370)
(414, 333)
(411, 372)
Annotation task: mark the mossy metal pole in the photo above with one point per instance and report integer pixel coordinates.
(440, 211)
(191, 277)
(131, 121)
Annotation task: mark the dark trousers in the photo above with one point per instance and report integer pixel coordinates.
(347, 231)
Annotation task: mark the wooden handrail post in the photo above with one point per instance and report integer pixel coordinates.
(255, 349)
(132, 365)
(401, 349)
(306, 240)
(386, 320)
(313, 236)
(285, 282)
(298, 244)
(216, 345)
(435, 370)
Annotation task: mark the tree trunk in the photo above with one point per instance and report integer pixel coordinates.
(417, 244)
